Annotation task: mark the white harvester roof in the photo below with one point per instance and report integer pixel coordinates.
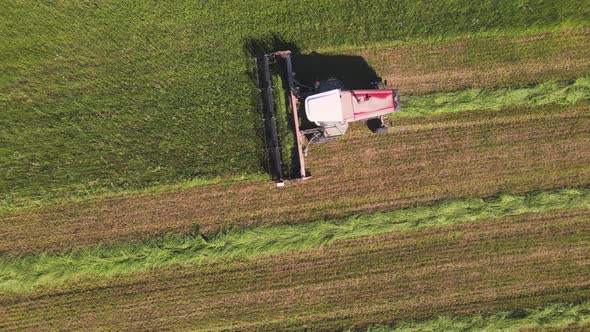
(324, 107)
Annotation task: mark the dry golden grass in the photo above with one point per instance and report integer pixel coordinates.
(484, 266)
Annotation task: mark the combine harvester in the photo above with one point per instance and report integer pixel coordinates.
(328, 108)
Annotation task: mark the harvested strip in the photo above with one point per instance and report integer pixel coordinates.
(29, 273)
(504, 264)
(456, 156)
(483, 62)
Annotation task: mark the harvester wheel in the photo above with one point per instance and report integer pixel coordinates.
(323, 139)
(382, 130)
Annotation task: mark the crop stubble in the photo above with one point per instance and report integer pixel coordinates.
(483, 62)
(421, 161)
(523, 261)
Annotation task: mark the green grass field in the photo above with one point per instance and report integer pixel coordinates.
(95, 99)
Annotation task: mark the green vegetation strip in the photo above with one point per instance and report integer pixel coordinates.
(560, 93)
(552, 316)
(48, 269)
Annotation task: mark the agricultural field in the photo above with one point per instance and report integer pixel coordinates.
(135, 194)
(456, 269)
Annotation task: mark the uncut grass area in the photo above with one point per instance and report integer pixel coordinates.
(108, 96)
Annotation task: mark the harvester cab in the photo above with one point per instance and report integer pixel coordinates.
(318, 113)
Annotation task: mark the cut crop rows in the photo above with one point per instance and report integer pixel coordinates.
(554, 317)
(568, 328)
(509, 263)
(482, 62)
(421, 161)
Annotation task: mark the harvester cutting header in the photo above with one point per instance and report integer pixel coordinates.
(317, 113)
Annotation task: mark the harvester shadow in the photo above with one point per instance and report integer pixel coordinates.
(352, 71)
